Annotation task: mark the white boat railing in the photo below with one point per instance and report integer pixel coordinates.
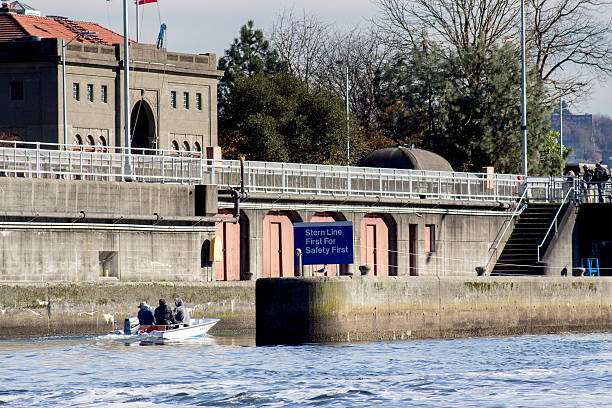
(43, 160)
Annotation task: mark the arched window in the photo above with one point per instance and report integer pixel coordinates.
(77, 143)
(197, 148)
(102, 143)
(175, 148)
(90, 144)
(186, 148)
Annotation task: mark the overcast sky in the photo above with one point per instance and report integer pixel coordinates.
(198, 26)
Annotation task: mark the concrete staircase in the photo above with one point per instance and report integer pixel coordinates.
(520, 255)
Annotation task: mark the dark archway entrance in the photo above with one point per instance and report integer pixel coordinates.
(142, 128)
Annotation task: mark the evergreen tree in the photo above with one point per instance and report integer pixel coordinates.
(467, 108)
(248, 55)
(410, 92)
(277, 118)
(484, 104)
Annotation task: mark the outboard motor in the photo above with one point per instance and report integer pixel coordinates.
(131, 325)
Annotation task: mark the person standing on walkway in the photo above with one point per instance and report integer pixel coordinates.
(600, 176)
(587, 178)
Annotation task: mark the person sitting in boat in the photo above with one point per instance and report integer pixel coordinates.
(181, 315)
(163, 314)
(145, 314)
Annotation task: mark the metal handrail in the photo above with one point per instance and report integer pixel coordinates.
(519, 210)
(554, 221)
(110, 163)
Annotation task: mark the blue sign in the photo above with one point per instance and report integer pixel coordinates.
(324, 242)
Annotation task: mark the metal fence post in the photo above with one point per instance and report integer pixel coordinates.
(212, 172)
(122, 165)
(348, 180)
(37, 160)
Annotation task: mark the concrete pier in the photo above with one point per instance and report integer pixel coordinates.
(298, 310)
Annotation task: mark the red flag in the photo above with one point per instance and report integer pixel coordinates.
(141, 2)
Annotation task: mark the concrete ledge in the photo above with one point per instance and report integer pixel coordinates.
(298, 310)
(271, 199)
(92, 308)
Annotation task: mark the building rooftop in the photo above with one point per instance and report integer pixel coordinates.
(22, 8)
(15, 27)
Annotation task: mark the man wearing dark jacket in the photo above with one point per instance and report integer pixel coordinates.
(163, 314)
(600, 176)
(145, 314)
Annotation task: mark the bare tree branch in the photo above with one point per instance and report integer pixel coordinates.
(460, 24)
(568, 35)
(364, 52)
(301, 42)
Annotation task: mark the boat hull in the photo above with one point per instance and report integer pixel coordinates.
(158, 334)
(197, 328)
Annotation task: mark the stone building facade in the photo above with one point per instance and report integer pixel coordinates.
(173, 100)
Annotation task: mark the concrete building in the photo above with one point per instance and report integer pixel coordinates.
(172, 95)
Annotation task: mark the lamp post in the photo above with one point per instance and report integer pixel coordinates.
(346, 97)
(523, 89)
(561, 130)
(64, 45)
(348, 137)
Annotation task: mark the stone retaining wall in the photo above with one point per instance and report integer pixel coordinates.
(371, 308)
(95, 308)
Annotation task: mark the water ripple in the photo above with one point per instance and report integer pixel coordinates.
(528, 371)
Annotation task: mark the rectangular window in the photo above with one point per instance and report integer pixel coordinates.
(430, 238)
(199, 101)
(173, 99)
(76, 92)
(104, 94)
(90, 93)
(186, 100)
(17, 91)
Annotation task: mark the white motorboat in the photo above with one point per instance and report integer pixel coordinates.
(134, 332)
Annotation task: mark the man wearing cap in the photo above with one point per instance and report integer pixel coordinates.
(145, 314)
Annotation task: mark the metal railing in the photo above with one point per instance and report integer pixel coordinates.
(41, 160)
(520, 206)
(554, 221)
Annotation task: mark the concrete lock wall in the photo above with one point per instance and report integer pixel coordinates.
(77, 256)
(461, 242)
(370, 308)
(47, 195)
(96, 308)
(39, 249)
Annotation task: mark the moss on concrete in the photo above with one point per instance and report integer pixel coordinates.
(488, 286)
(88, 307)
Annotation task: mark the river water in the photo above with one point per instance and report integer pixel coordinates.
(570, 370)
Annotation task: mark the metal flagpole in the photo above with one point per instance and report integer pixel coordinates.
(64, 95)
(126, 87)
(137, 22)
